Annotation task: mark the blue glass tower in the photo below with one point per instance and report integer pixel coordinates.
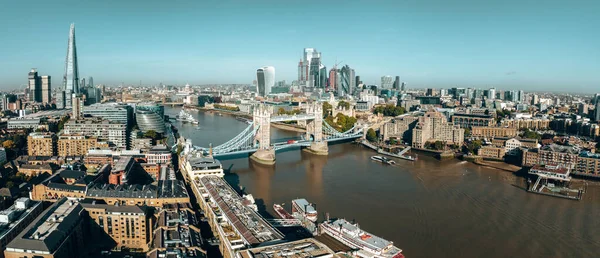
(71, 78)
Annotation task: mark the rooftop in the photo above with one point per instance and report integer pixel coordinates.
(561, 148)
(46, 233)
(250, 225)
(165, 189)
(309, 247)
(557, 169)
(12, 216)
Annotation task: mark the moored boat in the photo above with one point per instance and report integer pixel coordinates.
(383, 160)
(281, 212)
(368, 244)
(305, 209)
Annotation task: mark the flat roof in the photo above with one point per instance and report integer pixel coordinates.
(308, 247)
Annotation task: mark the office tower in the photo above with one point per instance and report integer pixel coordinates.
(71, 77)
(333, 79)
(301, 71)
(323, 76)
(314, 78)
(346, 80)
(82, 84)
(430, 92)
(597, 110)
(357, 80)
(386, 82)
(34, 89)
(535, 99)
(41, 144)
(491, 93)
(260, 79)
(397, 83)
(520, 96)
(77, 106)
(61, 99)
(46, 89)
(5, 100)
(403, 87)
(90, 81)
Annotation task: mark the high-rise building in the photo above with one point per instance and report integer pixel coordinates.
(46, 89)
(90, 82)
(346, 79)
(266, 80)
(71, 77)
(61, 99)
(333, 79)
(34, 89)
(323, 76)
(535, 99)
(403, 87)
(77, 103)
(77, 145)
(597, 109)
(387, 82)
(397, 83)
(148, 120)
(260, 79)
(314, 79)
(434, 126)
(491, 93)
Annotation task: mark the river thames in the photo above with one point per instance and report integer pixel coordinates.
(429, 208)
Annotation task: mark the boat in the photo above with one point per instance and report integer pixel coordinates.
(368, 245)
(281, 212)
(383, 160)
(304, 209)
(185, 117)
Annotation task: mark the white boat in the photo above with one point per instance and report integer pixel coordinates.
(368, 244)
(186, 117)
(383, 160)
(305, 209)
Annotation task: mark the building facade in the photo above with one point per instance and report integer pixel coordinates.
(399, 128)
(128, 226)
(114, 112)
(470, 120)
(71, 78)
(41, 144)
(104, 130)
(434, 126)
(489, 132)
(77, 144)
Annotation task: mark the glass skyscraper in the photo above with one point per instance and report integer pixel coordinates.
(71, 78)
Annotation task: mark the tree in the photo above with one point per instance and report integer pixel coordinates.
(9, 144)
(327, 108)
(531, 134)
(371, 135)
(151, 134)
(281, 111)
(389, 110)
(438, 145)
(472, 146)
(344, 104)
(467, 131)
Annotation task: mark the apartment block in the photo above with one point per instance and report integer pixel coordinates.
(41, 144)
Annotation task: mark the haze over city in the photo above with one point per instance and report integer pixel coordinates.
(427, 43)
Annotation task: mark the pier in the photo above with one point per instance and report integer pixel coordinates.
(399, 155)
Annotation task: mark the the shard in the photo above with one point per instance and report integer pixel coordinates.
(71, 78)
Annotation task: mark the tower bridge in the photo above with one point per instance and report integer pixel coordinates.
(256, 138)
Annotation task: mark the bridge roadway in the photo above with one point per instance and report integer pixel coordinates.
(283, 145)
(292, 118)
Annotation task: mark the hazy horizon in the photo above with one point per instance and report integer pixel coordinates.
(550, 46)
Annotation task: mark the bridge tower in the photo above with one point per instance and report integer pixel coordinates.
(315, 128)
(262, 119)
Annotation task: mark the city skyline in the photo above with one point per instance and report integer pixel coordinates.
(434, 44)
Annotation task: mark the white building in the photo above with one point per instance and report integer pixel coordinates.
(511, 144)
(387, 82)
(2, 156)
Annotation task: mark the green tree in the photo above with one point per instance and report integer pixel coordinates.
(467, 131)
(472, 146)
(9, 144)
(151, 134)
(371, 135)
(10, 184)
(439, 145)
(327, 108)
(281, 111)
(531, 134)
(343, 104)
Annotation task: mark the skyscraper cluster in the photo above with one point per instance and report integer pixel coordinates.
(311, 71)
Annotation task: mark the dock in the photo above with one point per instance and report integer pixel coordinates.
(399, 155)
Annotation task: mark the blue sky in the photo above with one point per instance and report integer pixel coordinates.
(510, 44)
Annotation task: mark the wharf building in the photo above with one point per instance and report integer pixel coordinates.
(470, 120)
(491, 152)
(165, 192)
(14, 219)
(237, 225)
(588, 164)
(551, 154)
(400, 128)
(434, 126)
(128, 226)
(176, 230)
(105, 130)
(41, 144)
(114, 112)
(77, 144)
(65, 183)
(489, 132)
(58, 232)
(526, 123)
(193, 167)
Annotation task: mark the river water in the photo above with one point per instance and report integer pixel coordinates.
(429, 208)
